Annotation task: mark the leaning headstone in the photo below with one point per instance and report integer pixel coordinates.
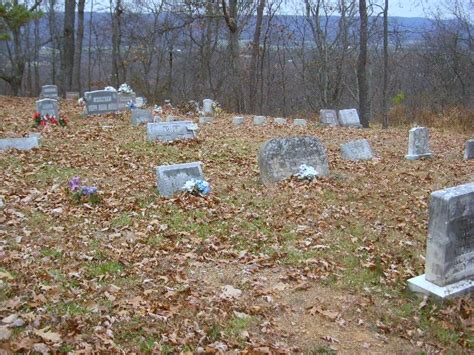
(24, 143)
(124, 101)
(72, 95)
(171, 178)
(356, 150)
(170, 131)
(207, 107)
(349, 118)
(100, 101)
(449, 268)
(300, 122)
(418, 144)
(259, 120)
(328, 117)
(49, 92)
(205, 120)
(280, 158)
(280, 121)
(140, 116)
(238, 120)
(47, 107)
(469, 150)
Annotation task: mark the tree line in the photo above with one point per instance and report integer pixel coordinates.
(246, 54)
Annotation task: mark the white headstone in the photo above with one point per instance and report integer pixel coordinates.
(328, 117)
(349, 118)
(207, 107)
(449, 268)
(47, 107)
(356, 150)
(469, 150)
(170, 131)
(24, 143)
(300, 122)
(171, 178)
(140, 101)
(280, 121)
(238, 120)
(280, 158)
(418, 144)
(259, 120)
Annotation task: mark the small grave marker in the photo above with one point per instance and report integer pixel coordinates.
(170, 131)
(100, 101)
(469, 150)
(449, 268)
(207, 107)
(280, 158)
(300, 122)
(205, 120)
(238, 120)
(49, 92)
(280, 121)
(328, 117)
(124, 100)
(47, 107)
(349, 118)
(72, 95)
(259, 120)
(356, 150)
(140, 116)
(171, 178)
(418, 144)
(24, 143)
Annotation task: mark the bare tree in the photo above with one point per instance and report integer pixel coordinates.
(363, 83)
(76, 82)
(67, 58)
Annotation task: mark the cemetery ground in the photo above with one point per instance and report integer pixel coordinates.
(314, 267)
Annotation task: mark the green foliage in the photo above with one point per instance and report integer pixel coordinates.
(13, 17)
(398, 98)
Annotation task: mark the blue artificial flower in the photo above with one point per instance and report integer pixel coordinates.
(203, 187)
(75, 183)
(88, 190)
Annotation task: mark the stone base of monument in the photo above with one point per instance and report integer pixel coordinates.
(418, 156)
(419, 284)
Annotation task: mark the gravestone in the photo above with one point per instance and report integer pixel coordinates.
(140, 116)
(37, 135)
(171, 178)
(280, 121)
(124, 100)
(280, 158)
(171, 118)
(140, 101)
(300, 122)
(259, 120)
(328, 117)
(207, 107)
(349, 118)
(356, 150)
(49, 92)
(24, 143)
(205, 120)
(100, 101)
(449, 266)
(170, 131)
(72, 95)
(418, 144)
(238, 120)
(469, 150)
(47, 107)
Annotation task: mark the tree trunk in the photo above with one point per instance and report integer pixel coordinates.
(364, 109)
(116, 42)
(67, 63)
(385, 66)
(253, 62)
(89, 54)
(78, 51)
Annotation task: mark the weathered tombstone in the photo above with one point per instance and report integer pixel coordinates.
(328, 117)
(300, 122)
(124, 100)
(207, 107)
(72, 95)
(171, 118)
(140, 116)
(238, 120)
(356, 150)
(280, 121)
(280, 158)
(349, 118)
(24, 143)
(205, 120)
(140, 101)
(171, 178)
(259, 120)
(47, 107)
(100, 101)
(170, 131)
(469, 150)
(49, 92)
(449, 268)
(418, 144)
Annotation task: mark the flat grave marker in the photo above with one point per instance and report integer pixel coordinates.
(23, 143)
(171, 131)
(171, 178)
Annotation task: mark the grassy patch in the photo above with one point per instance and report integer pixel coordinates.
(50, 252)
(104, 268)
(68, 308)
(124, 220)
(54, 173)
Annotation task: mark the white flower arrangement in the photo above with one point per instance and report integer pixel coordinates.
(110, 88)
(125, 89)
(306, 172)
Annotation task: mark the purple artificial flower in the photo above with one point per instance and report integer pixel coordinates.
(75, 183)
(88, 190)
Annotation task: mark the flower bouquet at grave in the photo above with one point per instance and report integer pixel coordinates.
(82, 193)
(125, 89)
(42, 120)
(197, 187)
(306, 172)
(216, 107)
